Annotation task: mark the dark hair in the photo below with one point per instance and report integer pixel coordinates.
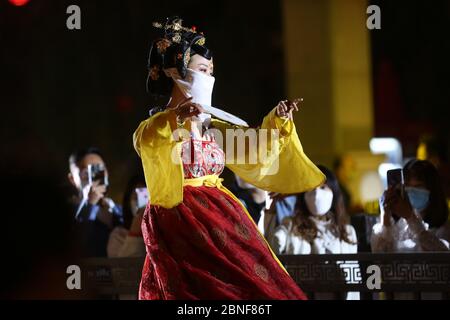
(436, 213)
(163, 85)
(79, 155)
(306, 227)
(173, 50)
(131, 185)
(202, 51)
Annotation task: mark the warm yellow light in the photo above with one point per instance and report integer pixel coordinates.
(422, 152)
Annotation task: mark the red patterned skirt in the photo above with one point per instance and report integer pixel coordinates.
(208, 248)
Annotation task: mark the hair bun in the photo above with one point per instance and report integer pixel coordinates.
(172, 50)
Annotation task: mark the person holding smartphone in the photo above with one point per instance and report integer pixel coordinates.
(414, 214)
(319, 225)
(95, 213)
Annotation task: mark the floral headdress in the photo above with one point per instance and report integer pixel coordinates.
(172, 50)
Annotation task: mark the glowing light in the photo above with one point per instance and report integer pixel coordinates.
(422, 153)
(383, 145)
(389, 146)
(19, 3)
(371, 186)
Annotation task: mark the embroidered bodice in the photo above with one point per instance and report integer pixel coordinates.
(201, 158)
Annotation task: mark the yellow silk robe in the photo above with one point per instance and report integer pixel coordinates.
(155, 144)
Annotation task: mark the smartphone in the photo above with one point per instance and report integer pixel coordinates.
(97, 172)
(142, 197)
(395, 180)
(395, 177)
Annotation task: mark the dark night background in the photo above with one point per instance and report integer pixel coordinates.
(66, 89)
(63, 89)
(411, 70)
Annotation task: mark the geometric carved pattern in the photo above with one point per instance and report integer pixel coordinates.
(347, 272)
(400, 272)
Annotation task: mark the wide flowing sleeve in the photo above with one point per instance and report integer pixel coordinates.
(281, 165)
(160, 154)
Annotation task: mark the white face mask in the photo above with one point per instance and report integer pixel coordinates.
(319, 201)
(200, 86)
(196, 84)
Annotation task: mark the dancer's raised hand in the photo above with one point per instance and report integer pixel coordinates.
(186, 109)
(286, 108)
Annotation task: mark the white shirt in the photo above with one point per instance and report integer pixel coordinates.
(412, 235)
(285, 241)
(121, 245)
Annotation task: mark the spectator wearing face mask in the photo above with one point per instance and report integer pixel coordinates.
(319, 226)
(127, 240)
(418, 221)
(95, 214)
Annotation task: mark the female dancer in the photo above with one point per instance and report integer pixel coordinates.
(201, 242)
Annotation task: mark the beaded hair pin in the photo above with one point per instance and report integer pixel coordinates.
(175, 29)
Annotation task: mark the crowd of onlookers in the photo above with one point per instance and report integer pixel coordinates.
(48, 228)
(413, 216)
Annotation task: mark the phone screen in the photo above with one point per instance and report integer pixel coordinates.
(97, 172)
(142, 197)
(395, 180)
(395, 177)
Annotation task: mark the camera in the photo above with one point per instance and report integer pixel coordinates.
(97, 172)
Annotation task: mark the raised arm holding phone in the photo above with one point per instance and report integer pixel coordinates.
(95, 213)
(414, 212)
